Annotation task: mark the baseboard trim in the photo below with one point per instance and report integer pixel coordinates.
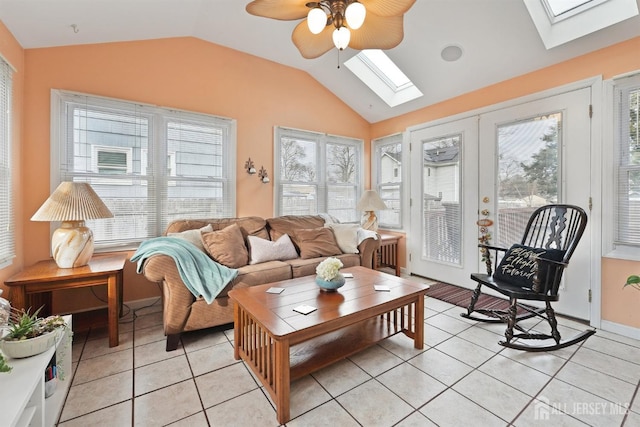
(133, 305)
(617, 328)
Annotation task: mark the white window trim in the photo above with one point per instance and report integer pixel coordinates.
(56, 135)
(588, 20)
(9, 256)
(321, 140)
(375, 176)
(610, 146)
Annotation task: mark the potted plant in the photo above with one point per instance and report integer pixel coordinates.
(29, 334)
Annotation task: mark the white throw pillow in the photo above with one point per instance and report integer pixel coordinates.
(263, 250)
(346, 236)
(193, 236)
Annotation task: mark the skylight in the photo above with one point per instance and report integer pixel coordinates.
(561, 21)
(383, 76)
(560, 7)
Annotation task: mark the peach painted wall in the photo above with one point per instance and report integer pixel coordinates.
(617, 305)
(184, 73)
(13, 53)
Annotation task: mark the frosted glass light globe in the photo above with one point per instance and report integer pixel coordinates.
(316, 20)
(355, 15)
(341, 37)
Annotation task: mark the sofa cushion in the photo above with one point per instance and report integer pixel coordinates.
(307, 267)
(287, 223)
(346, 237)
(261, 250)
(316, 242)
(193, 236)
(250, 225)
(265, 272)
(227, 246)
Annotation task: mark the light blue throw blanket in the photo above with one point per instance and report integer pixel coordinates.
(200, 274)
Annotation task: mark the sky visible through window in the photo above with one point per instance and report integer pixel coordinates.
(382, 64)
(558, 7)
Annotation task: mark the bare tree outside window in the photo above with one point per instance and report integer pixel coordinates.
(292, 154)
(342, 163)
(317, 173)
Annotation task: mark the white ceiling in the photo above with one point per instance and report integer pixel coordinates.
(498, 39)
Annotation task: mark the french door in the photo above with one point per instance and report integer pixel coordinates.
(444, 201)
(522, 157)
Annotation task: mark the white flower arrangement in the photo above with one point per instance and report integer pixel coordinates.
(329, 268)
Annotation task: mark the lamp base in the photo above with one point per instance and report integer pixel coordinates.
(72, 244)
(369, 221)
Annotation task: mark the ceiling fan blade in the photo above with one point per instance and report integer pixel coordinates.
(387, 7)
(378, 32)
(285, 10)
(312, 45)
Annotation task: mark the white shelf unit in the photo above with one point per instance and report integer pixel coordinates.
(22, 401)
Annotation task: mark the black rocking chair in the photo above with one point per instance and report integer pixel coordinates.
(532, 271)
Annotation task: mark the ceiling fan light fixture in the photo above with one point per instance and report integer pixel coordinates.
(341, 37)
(316, 20)
(355, 14)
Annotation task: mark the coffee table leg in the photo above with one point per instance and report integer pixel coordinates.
(282, 380)
(419, 323)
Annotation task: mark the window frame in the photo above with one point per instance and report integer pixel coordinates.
(612, 169)
(376, 176)
(7, 218)
(321, 184)
(160, 179)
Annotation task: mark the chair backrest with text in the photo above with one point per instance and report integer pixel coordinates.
(552, 233)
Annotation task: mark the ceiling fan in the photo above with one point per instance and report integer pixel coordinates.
(359, 24)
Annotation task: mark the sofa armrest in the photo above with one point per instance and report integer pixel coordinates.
(367, 249)
(176, 297)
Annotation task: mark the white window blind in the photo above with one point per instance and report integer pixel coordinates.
(387, 172)
(316, 173)
(7, 227)
(627, 227)
(150, 165)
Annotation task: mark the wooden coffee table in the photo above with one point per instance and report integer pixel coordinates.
(281, 345)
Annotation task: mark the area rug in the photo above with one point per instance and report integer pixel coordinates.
(461, 297)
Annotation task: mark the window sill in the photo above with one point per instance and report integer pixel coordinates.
(624, 252)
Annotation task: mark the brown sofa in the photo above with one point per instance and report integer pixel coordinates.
(183, 312)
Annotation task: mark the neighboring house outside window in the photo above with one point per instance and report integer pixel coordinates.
(317, 173)
(387, 179)
(7, 225)
(150, 165)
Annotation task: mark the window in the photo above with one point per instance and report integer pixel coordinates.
(317, 173)
(383, 77)
(627, 159)
(387, 173)
(561, 21)
(150, 165)
(7, 235)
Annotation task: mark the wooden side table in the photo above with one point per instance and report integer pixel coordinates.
(387, 255)
(45, 276)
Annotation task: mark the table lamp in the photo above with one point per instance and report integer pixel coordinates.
(370, 202)
(72, 203)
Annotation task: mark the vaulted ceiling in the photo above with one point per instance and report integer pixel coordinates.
(497, 37)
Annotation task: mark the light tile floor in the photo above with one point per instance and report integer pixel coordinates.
(461, 378)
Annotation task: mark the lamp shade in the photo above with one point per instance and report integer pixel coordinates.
(72, 201)
(370, 201)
